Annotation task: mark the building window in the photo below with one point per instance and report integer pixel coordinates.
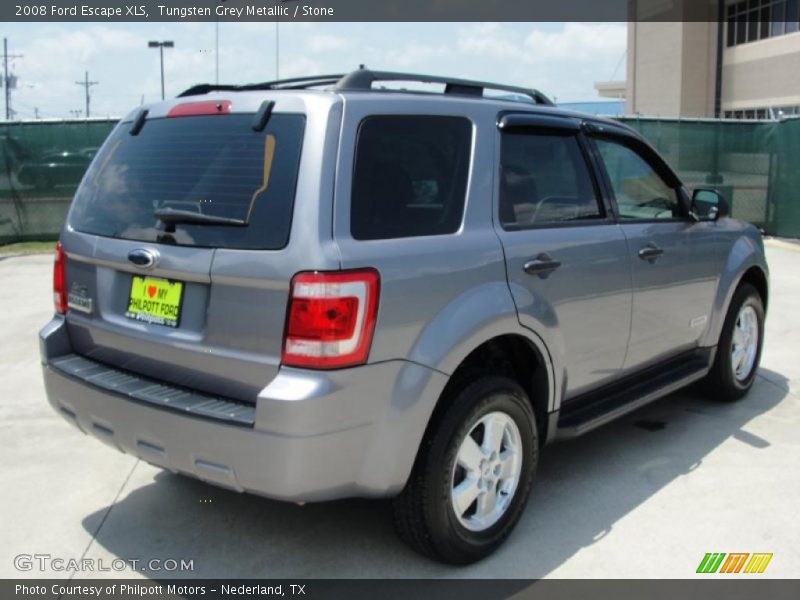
(771, 113)
(753, 20)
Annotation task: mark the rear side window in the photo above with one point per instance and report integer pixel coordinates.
(544, 180)
(410, 176)
(213, 165)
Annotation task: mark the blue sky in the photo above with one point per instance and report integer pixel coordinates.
(561, 59)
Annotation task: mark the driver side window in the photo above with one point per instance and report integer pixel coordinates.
(639, 190)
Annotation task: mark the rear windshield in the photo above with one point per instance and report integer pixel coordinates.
(214, 165)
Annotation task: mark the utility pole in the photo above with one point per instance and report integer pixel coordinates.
(6, 83)
(87, 84)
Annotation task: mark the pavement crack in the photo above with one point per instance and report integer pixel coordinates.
(786, 389)
(103, 519)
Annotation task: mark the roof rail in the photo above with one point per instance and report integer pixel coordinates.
(296, 83)
(363, 79)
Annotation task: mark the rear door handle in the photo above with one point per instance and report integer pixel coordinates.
(650, 252)
(542, 265)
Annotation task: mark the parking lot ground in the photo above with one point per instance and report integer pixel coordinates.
(644, 497)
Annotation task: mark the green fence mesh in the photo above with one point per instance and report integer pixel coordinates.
(784, 186)
(42, 164)
(755, 164)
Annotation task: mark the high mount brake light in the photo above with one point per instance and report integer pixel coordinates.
(331, 319)
(194, 109)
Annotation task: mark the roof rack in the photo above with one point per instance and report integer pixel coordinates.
(363, 80)
(297, 83)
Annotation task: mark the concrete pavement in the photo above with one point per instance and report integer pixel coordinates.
(646, 496)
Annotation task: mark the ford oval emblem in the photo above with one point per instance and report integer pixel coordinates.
(143, 258)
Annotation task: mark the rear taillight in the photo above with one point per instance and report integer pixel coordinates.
(330, 319)
(59, 281)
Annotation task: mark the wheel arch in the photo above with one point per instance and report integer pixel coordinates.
(745, 263)
(756, 277)
(513, 355)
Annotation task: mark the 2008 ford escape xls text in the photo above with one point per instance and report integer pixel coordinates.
(321, 288)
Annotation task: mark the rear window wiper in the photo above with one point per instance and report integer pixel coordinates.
(173, 216)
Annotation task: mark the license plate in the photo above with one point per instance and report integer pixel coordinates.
(155, 300)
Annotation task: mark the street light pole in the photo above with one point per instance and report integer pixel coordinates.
(161, 52)
(216, 47)
(161, 46)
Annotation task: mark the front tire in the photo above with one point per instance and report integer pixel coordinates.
(739, 349)
(473, 475)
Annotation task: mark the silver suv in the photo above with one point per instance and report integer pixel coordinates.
(325, 288)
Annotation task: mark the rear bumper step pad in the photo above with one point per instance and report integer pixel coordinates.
(149, 391)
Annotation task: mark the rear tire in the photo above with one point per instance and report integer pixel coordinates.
(739, 349)
(473, 474)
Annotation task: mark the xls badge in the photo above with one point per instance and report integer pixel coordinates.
(79, 298)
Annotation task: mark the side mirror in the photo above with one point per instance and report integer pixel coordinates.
(709, 204)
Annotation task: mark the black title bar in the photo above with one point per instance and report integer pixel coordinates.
(358, 10)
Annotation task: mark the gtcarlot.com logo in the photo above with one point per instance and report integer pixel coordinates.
(734, 562)
(48, 562)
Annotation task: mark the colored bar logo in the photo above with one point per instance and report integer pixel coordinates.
(734, 562)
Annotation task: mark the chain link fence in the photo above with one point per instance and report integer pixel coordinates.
(754, 163)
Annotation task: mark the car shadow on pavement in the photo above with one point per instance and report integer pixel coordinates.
(585, 486)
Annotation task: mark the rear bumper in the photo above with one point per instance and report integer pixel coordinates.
(317, 435)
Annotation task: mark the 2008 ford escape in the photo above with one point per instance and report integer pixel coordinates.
(315, 289)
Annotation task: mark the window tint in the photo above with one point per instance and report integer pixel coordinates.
(544, 179)
(410, 176)
(639, 190)
(212, 165)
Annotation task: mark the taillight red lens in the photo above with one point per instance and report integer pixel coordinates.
(325, 319)
(331, 318)
(59, 281)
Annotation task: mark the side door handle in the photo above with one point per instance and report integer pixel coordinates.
(542, 265)
(650, 252)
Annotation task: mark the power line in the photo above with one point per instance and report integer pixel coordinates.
(87, 84)
(619, 64)
(8, 83)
